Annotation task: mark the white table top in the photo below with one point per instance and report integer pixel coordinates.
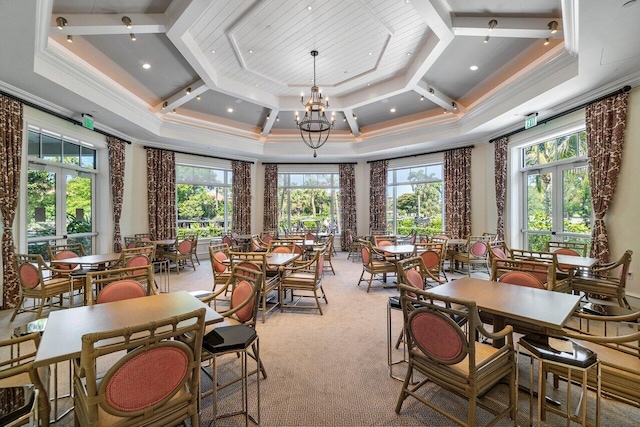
(536, 306)
(90, 259)
(577, 261)
(397, 249)
(62, 338)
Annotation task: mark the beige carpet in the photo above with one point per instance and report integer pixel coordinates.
(331, 370)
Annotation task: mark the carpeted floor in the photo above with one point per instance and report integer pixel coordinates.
(331, 370)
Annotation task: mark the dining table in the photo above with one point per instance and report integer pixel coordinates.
(547, 309)
(399, 250)
(576, 261)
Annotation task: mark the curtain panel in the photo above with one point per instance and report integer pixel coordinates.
(378, 195)
(605, 122)
(347, 173)
(116, 149)
(10, 161)
(500, 159)
(457, 192)
(241, 222)
(270, 219)
(161, 193)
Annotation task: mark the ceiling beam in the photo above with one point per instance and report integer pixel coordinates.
(437, 97)
(351, 121)
(181, 97)
(101, 24)
(534, 28)
(269, 122)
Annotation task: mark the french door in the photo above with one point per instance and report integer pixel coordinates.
(59, 208)
(557, 205)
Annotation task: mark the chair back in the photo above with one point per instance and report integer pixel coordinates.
(219, 254)
(147, 249)
(66, 251)
(282, 246)
(29, 269)
(521, 278)
(227, 240)
(139, 274)
(310, 236)
(156, 379)
(121, 290)
(267, 239)
(567, 248)
(130, 242)
(246, 281)
(184, 247)
(409, 272)
(529, 273)
(385, 240)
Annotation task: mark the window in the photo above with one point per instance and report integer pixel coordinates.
(557, 202)
(60, 191)
(414, 200)
(309, 201)
(204, 200)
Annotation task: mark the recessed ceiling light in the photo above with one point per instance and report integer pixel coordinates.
(133, 37)
(230, 110)
(309, 7)
(473, 67)
(370, 53)
(70, 38)
(393, 110)
(408, 53)
(250, 51)
(257, 85)
(213, 51)
(368, 84)
(198, 97)
(422, 98)
(146, 66)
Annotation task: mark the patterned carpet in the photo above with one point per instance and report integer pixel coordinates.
(331, 370)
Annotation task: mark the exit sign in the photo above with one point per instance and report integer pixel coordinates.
(531, 120)
(87, 121)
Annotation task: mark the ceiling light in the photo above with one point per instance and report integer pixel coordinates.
(309, 7)
(486, 39)
(393, 110)
(198, 97)
(314, 127)
(492, 24)
(164, 105)
(126, 21)
(257, 85)
(213, 51)
(355, 117)
(133, 37)
(473, 68)
(553, 27)
(546, 41)
(146, 66)
(432, 92)
(406, 1)
(62, 22)
(188, 91)
(70, 38)
(230, 110)
(408, 53)
(277, 118)
(422, 98)
(344, 119)
(250, 51)
(370, 53)
(174, 111)
(453, 104)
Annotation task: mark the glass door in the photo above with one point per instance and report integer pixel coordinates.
(59, 208)
(558, 205)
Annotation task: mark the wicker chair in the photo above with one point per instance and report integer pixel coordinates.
(133, 281)
(307, 278)
(603, 282)
(374, 264)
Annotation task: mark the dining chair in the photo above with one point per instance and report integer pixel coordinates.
(328, 253)
(182, 254)
(121, 283)
(282, 246)
(39, 281)
(606, 280)
(567, 248)
(64, 251)
(374, 265)
(474, 253)
(270, 282)
(306, 278)
(22, 386)
(442, 353)
(155, 378)
(353, 245)
(194, 247)
(257, 245)
(433, 255)
(220, 263)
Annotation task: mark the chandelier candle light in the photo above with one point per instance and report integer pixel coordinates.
(314, 126)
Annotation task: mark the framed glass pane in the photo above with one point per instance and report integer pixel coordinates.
(34, 144)
(71, 153)
(88, 158)
(539, 202)
(402, 175)
(567, 146)
(576, 194)
(79, 206)
(296, 180)
(530, 155)
(51, 148)
(582, 142)
(547, 152)
(41, 204)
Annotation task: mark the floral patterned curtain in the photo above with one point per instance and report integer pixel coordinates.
(347, 202)
(115, 147)
(241, 196)
(161, 193)
(457, 192)
(10, 163)
(500, 157)
(270, 221)
(605, 121)
(378, 194)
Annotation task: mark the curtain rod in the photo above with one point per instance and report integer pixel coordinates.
(60, 116)
(564, 113)
(305, 164)
(421, 154)
(199, 155)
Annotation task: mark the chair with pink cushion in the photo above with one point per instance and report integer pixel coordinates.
(607, 280)
(306, 279)
(182, 255)
(236, 335)
(155, 378)
(115, 284)
(220, 264)
(374, 265)
(474, 253)
(433, 255)
(568, 248)
(441, 352)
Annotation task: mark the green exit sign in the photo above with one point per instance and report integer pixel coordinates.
(531, 120)
(87, 121)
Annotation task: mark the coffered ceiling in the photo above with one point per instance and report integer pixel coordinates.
(398, 73)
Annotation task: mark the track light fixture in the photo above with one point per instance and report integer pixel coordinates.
(454, 106)
(70, 38)
(492, 24)
(164, 105)
(198, 97)
(546, 41)
(486, 40)
(61, 22)
(432, 92)
(553, 27)
(126, 21)
(133, 37)
(188, 91)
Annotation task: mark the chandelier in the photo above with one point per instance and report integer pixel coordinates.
(314, 126)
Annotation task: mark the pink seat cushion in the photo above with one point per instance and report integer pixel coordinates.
(414, 278)
(65, 255)
(147, 379)
(478, 249)
(138, 261)
(437, 337)
(218, 259)
(29, 275)
(184, 247)
(282, 250)
(521, 278)
(365, 255)
(567, 251)
(242, 291)
(431, 259)
(121, 290)
(384, 243)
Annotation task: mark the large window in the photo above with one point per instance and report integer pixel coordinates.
(309, 201)
(557, 193)
(414, 200)
(60, 191)
(204, 200)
